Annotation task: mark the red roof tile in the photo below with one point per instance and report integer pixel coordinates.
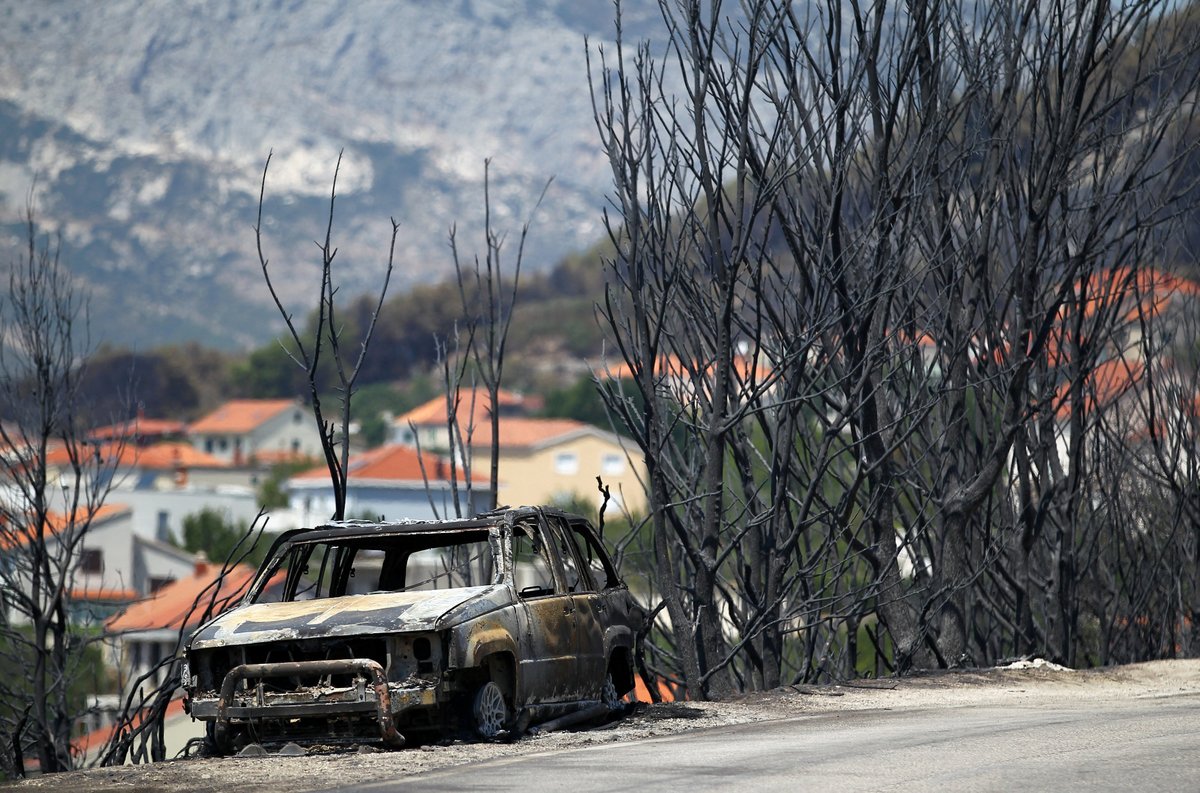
(743, 368)
(1105, 384)
(473, 405)
(241, 415)
(175, 455)
(174, 606)
(139, 428)
(519, 433)
(103, 595)
(394, 462)
(160, 456)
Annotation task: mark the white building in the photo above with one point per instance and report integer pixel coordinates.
(245, 431)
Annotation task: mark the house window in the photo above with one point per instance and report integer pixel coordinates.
(566, 463)
(295, 447)
(158, 582)
(612, 465)
(208, 445)
(91, 560)
(223, 444)
(162, 531)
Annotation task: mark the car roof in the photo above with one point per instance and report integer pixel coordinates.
(367, 528)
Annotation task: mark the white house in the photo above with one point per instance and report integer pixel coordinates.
(114, 566)
(243, 431)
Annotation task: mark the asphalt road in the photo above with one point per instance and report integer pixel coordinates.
(1150, 744)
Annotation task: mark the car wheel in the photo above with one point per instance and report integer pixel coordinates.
(608, 693)
(490, 710)
(218, 739)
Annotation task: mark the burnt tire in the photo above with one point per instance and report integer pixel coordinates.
(609, 695)
(218, 740)
(489, 710)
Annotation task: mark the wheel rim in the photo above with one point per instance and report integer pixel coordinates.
(490, 710)
(608, 693)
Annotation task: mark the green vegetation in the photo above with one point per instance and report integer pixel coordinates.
(554, 318)
(270, 493)
(88, 675)
(211, 531)
(375, 403)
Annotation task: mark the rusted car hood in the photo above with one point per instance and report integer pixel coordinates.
(350, 615)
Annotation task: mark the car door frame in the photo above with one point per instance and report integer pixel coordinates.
(590, 609)
(546, 625)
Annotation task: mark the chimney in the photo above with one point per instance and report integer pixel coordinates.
(202, 564)
(181, 471)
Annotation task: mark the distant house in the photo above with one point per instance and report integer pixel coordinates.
(553, 460)
(115, 566)
(166, 482)
(246, 431)
(426, 425)
(392, 482)
(541, 460)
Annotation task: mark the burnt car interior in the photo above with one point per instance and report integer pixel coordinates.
(339, 566)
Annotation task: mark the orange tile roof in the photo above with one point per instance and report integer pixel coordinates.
(472, 405)
(521, 433)
(175, 454)
(165, 455)
(241, 415)
(394, 462)
(1146, 289)
(744, 368)
(1105, 384)
(174, 606)
(139, 428)
(103, 595)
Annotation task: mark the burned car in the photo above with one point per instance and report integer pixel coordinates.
(361, 631)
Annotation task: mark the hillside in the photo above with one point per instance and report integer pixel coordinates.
(143, 127)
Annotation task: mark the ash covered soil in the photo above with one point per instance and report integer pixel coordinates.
(1027, 684)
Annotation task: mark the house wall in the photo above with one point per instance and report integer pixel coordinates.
(212, 478)
(293, 431)
(570, 469)
(113, 539)
(158, 514)
(127, 561)
(432, 437)
(156, 563)
(313, 505)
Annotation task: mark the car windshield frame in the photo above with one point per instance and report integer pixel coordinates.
(302, 545)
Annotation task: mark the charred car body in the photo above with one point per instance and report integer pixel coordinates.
(363, 631)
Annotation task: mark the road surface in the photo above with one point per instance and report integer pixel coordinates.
(1141, 744)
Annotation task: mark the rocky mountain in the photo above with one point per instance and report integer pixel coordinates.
(141, 128)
